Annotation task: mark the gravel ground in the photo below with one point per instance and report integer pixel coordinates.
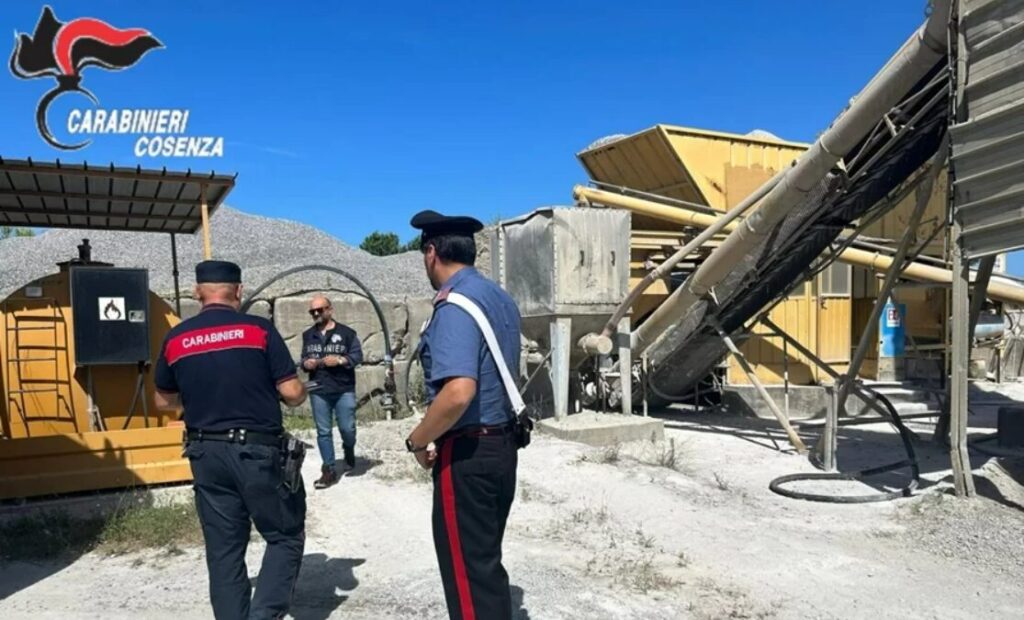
(682, 529)
(262, 246)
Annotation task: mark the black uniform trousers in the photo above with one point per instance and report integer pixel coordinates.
(474, 486)
(237, 485)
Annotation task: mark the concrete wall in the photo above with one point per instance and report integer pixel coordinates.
(404, 318)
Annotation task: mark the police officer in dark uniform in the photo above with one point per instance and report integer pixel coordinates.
(228, 371)
(466, 433)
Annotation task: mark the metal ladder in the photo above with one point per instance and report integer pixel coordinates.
(20, 354)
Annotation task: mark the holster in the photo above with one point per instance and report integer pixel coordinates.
(523, 426)
(293, 453)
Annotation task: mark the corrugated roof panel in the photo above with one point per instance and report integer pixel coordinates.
(62, 196)
(988, 148)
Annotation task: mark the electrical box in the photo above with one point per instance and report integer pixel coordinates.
(110, 308)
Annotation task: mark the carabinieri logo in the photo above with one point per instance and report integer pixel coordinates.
(63, 50)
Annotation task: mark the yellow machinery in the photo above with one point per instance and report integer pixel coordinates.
(676, 180)
(78, 345)
(708, 169)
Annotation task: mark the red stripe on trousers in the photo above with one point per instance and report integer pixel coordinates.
(452, 526)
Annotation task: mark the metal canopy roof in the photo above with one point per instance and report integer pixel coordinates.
(56, 195)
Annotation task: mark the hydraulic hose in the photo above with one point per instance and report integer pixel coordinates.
(776, 485)
(389, 359)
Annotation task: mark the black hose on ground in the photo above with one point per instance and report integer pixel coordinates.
(776, 485)
(389, 359)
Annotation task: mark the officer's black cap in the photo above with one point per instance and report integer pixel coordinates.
(434, 224)
(218, 271)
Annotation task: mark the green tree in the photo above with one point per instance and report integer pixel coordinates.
(10, 231)
(414, 244)
(381, 244)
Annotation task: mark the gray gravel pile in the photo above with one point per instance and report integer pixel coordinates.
(262, 246)
(982, 533)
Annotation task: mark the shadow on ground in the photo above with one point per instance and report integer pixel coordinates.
(869, 446)
(324, 584)
(519, 611)
(362, 466)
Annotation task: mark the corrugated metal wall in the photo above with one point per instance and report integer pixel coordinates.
(988, 146)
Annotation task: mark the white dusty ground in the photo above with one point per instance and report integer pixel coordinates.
(617, 533)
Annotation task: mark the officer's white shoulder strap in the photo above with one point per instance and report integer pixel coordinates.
(477, 314)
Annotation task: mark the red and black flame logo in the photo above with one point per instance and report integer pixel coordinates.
(62, 50)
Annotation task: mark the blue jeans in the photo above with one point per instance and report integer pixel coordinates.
(326, 409)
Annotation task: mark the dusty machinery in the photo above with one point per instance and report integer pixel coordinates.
(568, 269)
(888, 147)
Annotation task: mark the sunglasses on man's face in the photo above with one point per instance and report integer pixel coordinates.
(318, 311)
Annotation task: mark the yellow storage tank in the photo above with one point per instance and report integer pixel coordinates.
(67, 427)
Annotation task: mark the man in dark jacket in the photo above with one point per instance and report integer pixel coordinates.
(330, 354)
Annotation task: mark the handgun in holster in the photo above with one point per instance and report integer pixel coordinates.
(293, 452)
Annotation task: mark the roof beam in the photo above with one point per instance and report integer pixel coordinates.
(141, 175)
(87, 213)
(100, 197)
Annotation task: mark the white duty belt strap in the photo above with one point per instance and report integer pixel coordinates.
(477, 314)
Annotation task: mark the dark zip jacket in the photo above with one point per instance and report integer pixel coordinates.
(341, 341)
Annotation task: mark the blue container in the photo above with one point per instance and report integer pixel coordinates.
(891, 330)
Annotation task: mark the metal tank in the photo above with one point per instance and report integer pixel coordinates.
(78, 407)
(568, 269)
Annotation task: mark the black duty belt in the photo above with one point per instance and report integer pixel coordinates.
(236, 435)
(478, 431)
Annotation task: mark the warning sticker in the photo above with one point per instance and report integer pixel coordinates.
(893, 318)
(112, 309)
(136, 316)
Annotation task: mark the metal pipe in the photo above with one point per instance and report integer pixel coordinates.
(867, 245)
(174, 272)
(679, 214)
(629, 191)
(712, 224)
(1000, 291)
(878, 260)
(917, 56)
(791, 434)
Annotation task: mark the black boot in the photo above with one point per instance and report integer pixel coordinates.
(350, 457)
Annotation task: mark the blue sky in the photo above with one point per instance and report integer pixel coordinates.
(353, 116)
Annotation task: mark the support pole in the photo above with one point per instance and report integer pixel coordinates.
(561, 334)
(963, 482)
(785, 375)
(794, 438)
(174, 272)
(204, 210)
(830, 438)
(644, 366)
(625, 367)
(924, 192)
(961, 333)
